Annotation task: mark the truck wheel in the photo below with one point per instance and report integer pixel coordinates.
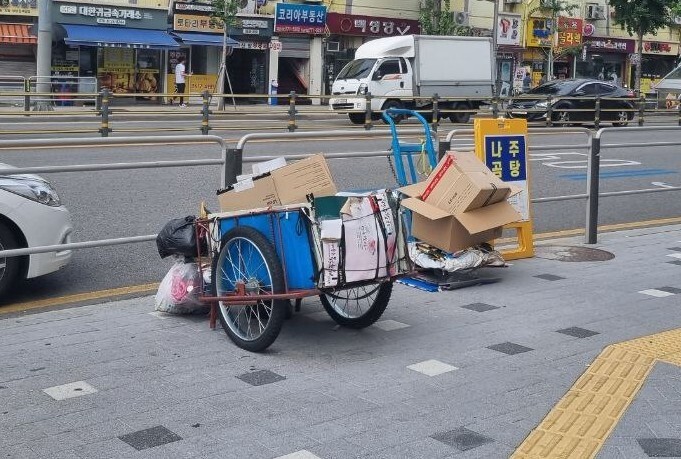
(356, 118)
(393, 104)
(460, 117)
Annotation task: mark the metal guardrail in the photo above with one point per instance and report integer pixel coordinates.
(232, 160)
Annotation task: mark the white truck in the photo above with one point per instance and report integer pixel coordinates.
(406, 71)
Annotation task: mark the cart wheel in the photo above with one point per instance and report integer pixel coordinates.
(248, 262)
(357, 307)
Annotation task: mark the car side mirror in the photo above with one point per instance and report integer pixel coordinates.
(377, 76)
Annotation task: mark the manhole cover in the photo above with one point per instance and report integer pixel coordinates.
(570, 253)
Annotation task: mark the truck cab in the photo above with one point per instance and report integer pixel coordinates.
(384, 78)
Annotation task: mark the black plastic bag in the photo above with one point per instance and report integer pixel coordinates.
(178, 237)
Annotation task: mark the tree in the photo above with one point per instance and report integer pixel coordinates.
(224, 12)
(554, 9)
(436, 19)
(643, 17)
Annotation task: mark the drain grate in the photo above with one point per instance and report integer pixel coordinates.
(572, 253)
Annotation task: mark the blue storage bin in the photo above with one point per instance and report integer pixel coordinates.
(291, 239)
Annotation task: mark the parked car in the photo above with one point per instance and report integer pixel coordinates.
(31, 215)
(575, 101)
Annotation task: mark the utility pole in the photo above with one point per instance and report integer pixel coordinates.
(44, 54)
(495, 35)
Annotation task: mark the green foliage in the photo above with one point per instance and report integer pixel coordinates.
(436, 18)
(555, 8)
(641, 17)
(224, 11)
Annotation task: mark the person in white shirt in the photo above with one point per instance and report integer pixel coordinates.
(180, 74)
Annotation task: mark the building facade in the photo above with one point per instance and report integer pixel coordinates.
(18, 39)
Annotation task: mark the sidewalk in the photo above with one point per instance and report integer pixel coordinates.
(462, 374)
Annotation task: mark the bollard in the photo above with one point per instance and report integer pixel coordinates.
(593, 189)
(104, 130)
(549, 112)
(205, 126)
(292, 112)
(495, 107)
(641, 109)
(27, 96)
(597, 113)
(98, 103)
(367, 112)
(436, 112)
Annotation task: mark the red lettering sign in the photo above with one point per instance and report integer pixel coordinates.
(370, 26)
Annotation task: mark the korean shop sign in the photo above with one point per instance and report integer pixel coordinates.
(613, 45)
(23, 8)
(370, 26)
(661, 48)
(299, 18)
(539, 32)
(79, 13)
(251, 27)
(508, 29)
(569, 32)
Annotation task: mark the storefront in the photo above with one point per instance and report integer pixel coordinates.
(300, 67)
(248, 42)
(659, 58)
(564, 42)
(17, 40)
(121, 47)
(605, 57)
(348, 32)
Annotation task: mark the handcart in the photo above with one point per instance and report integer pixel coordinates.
(261, 260)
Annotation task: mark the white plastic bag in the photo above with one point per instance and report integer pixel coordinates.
(179, 290)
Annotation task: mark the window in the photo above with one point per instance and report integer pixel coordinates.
(589, 89)
(390, 67)
(403, 63)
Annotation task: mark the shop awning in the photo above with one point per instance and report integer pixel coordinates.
(17, 33)
(118, 37)
(205, 39)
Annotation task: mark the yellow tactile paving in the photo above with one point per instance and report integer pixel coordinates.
(580, 423)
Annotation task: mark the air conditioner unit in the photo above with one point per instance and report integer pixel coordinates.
(460, 18)
(246, 6)
(333, 46)
(677, 20)
(595, 11)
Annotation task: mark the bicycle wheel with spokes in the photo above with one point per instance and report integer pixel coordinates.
(248, 265)
(357, 307)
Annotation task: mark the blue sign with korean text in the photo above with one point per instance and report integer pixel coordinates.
(505, 155)
(300, 18)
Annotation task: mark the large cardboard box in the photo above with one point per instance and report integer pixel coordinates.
(458, 211)
(289, 184)
(462, 182)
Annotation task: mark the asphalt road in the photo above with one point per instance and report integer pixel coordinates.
(124, 203)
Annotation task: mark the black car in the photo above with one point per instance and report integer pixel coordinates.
(575, 101)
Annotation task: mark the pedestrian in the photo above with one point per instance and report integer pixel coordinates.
(527, 82)
(542, 80)
(601, 76)
(615, 78)
(180, 75)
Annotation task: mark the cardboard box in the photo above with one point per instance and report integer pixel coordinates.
(287, 185)
(463, 205)
(462, 182)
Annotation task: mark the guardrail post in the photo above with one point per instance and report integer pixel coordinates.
(104, 130)
(98, 103)
(549, 112)
(495, 107)
(27, 96)
(597, 113)
(593, 186)
(292, 112)
(205, 111)
(641, 109)
(436, 112)
(233, 158)
(367, 112)
(679, 108)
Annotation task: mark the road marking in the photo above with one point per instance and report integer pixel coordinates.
(556, 160)
(76, 298)
(580, 423)
(621, 174)
(662, 184)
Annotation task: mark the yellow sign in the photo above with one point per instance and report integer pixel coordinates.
(195, 23)
(19, 10)
(196, 84)
(118, 59)
(539, 32)
(502, 145)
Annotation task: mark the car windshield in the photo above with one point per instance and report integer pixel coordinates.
(553, 88)
(357, 69)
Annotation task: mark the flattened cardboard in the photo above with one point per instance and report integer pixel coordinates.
(262, 194)
(287, 185)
